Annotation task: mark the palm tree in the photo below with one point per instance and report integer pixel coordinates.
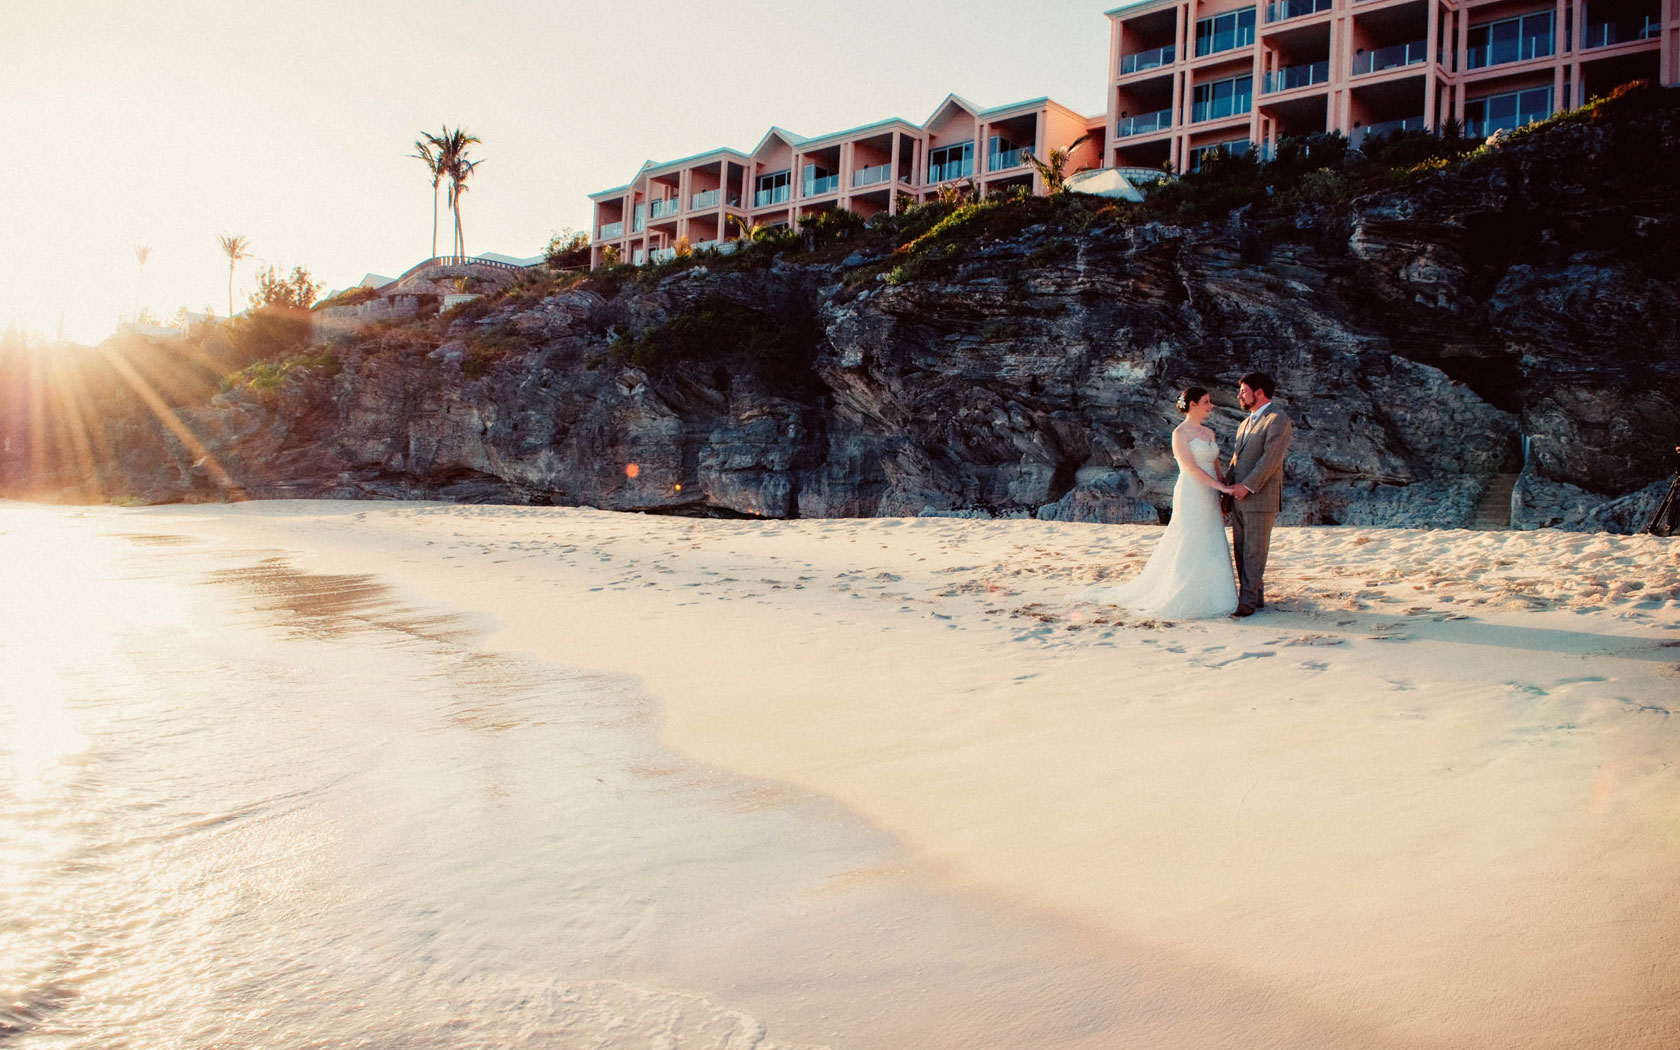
(142, 252)
(1053, 169)
(428, 150)
(458, 168)
(235, 247)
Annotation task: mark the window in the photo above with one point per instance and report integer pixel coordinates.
(1223, 32)
(1002, 154)
(951, 162)
(1512, 40)
(1222, 98)
(1202, 154)
(818, 180)
(773, 188)
(1484, 116)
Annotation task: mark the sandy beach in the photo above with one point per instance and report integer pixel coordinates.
(1428, 798)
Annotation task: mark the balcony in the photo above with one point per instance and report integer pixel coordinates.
(1604, 34)
(1003, 160)
(1394, 56)
(816, 187)
(1154, 58)
(611, 230)
(1283, 10)
(641, 218)
(773, 195)
(663, 255)
(872, 176)
(1143, 123)
(1388, 127)
(1291, 77)
(951, 169)
(705, 199)
(663, 209)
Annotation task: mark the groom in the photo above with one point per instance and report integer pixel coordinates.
(1256, 473)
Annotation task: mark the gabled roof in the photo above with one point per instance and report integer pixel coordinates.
(861, 129)
(778, 133)
(952, 100)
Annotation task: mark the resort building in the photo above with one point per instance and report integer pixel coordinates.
(705, 199)
(1187, 77)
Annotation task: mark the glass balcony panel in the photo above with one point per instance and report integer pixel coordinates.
(812, 186)
(773, 195)
(1282, 10)
(1143, 123)
(1003, 160)
(1391, 57)
(611, 230)
(1389, 127)
(1620, 31)
(1154, 58)
(872, 176)
(705, 199)
(1291, 77)
(663, 209)
(952, 169)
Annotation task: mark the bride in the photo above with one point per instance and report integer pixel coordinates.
(1190, 575)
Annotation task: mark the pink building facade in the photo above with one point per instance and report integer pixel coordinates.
(1187, 77)
(705, 199)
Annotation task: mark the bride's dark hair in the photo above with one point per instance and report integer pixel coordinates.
(1191, 395)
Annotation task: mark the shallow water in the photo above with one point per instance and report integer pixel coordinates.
(244, 806)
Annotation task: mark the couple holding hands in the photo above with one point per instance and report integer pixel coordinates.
(1190, 574)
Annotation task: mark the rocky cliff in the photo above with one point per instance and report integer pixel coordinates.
(1511, 317)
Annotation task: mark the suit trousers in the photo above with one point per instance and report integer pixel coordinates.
(1251, 541)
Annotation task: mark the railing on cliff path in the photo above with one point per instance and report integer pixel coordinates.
(460, 260)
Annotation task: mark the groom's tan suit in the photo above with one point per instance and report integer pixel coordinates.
(1257, 463)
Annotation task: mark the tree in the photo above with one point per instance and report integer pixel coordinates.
(1053, 169)
(428, 151)
(460, 169)
(235, 248)
(566, 249)
(297, 291)
(142, 252)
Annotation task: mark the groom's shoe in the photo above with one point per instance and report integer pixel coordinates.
(1242, 611)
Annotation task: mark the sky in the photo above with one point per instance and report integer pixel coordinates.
(291, 123)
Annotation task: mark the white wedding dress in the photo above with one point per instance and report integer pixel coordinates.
(1190, 576)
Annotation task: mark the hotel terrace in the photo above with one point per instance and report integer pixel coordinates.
(1191, 76)
(788, 177)
(1186, 78)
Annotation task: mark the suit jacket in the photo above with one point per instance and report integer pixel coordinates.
(1257, 460)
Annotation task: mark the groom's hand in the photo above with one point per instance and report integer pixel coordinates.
(1240, 490)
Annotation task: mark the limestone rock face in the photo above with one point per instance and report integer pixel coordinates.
(1517, 316)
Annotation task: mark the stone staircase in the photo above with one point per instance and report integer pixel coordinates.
(1493, 510)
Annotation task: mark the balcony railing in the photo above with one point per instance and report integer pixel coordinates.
(705, 199)
(773, 195)
(951, 169)
(663, 255)
(1603, 34)
(1282, 10)
(1219, 108)
(664, 209)
(1291, 77)
(611, 230)
(872, 176)
(1143, 123)
(813, 187)
(1154, 58)
(640, 222)
(1392, 57)
(1388, 127)
(1003, 160)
